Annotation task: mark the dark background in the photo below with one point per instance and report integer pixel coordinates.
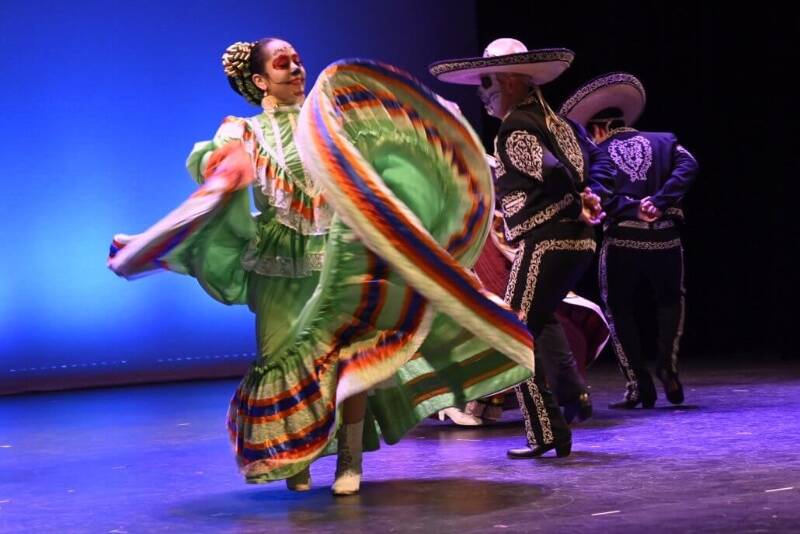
(718, 77)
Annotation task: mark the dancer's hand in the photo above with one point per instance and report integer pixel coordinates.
(648, 212)
(591, 209)
(591, 201)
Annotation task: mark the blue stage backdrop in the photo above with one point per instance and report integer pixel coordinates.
(101, 103)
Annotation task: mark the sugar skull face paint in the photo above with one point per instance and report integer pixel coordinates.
(285, 76)
(491, 96)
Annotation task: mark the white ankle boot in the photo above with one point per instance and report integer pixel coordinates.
(459, 417)
(348, 459)
(300, 482)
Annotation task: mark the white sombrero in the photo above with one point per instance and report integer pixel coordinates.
(615, 91)
(505, 55)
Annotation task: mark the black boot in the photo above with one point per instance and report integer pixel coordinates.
(672, 386)
(562, 449)
(580, 407)
(630, 404)
(545, 426)
(646, 394)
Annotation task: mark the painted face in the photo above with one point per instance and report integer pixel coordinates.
(285, 73)
(490, 94)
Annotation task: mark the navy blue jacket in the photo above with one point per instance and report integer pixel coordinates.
(651, 165)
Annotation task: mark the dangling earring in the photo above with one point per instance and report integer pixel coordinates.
(269, 102)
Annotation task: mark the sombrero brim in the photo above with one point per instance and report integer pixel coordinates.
(542, 66)
(615, 90)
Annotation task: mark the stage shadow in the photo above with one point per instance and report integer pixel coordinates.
(585, 459)
(659, 410)
(678, 407)
(403, 499)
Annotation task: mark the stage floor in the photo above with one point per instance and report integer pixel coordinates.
(156, 458)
